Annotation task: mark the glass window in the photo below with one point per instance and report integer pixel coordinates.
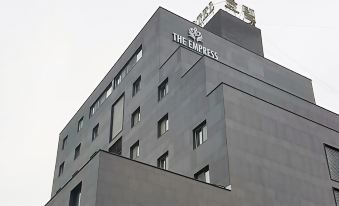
(199, 135)
(135, 117)
(118, 117)
(95, 132)
(336, 196)
(116, 147)
(163, 89)
(64, 142)
(203, 175)
(332, 155)
(95, 106)
(128, 67)
(80, 123)
(61, 169)
(163, 161)
(75, 196)
(163, 125)
(77, 151)
(134, 151)
(136, 86)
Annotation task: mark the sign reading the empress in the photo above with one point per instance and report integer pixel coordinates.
(194, 42)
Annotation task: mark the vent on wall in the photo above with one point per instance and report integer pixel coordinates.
(332, 155)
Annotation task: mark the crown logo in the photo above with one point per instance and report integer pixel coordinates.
(195, 34)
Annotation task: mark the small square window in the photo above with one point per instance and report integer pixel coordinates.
(203, 175)
(61, 169)
(199, 135)
(80, 123)
(77, 152)
(134, 151)
(116, 147)
(95, 132)
(136, 86)
(163, 125)
(64, 142)
(163, 161)
(163, 89)
(135, 117)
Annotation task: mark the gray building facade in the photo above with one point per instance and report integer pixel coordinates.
(198, 116)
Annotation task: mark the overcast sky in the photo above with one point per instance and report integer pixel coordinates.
(53, 53)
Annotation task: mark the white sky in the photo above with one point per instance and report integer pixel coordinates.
(53, 53)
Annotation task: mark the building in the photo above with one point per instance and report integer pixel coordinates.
(198, 116)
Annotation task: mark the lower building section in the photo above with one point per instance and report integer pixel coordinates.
(108, 179)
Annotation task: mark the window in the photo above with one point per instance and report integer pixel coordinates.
(117, 117)
(64, 142)
(128, 67)
(116, 147)
(95, 132)
(134, 151)
(95, 106)
(136, 86)
(80, 123)
(135, 117)
(336, 196)
(163, 125)
(332, 155)
(75, 196)
(203, 175)
(163, 161)
(61, 169)
(77, 151)
(163, 89)
(199, 135)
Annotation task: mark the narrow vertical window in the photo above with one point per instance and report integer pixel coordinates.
(95, 132)
(75, 196)
(64, 142)
(61, 169)
(135, 119)
(77, 152)
(80, 123)
(163, 161)
(163, 125)
(336, 196)
(203, 175)
(163, 89)
(136, 86)
(116, 147)
(199, 135)
(134, 151)
(118, 117)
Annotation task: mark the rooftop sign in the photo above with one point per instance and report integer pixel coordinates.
(231, 6)
(194, 42)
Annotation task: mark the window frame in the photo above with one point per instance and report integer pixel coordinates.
(64, 142)
(204, 170)
(95, 132)
(137, 146)
(61, 169)
(202, 127)
(163, 157)
(133, 115)
(80, 124)
(77, 151)
(136, 86)
(164, 118)
(127, 67)
(161, 87)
